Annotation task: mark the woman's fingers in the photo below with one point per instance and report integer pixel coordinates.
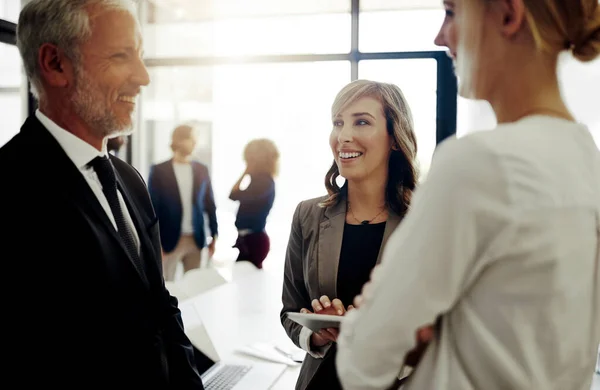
(425, 334)
(338, 307)
(334, 333)
(325, 302)
(324, 305)
(316, 305)
(327, 335)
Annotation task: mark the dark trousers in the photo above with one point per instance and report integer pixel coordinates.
(254, 247)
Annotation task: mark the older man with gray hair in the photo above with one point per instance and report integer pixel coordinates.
(80, 233)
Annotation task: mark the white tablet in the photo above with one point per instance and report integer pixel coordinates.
(316, 322)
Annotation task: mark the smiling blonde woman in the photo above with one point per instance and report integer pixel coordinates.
(501, 246)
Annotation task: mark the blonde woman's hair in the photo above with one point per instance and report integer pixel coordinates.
(565, 24)
(403, 172)
(261, 156)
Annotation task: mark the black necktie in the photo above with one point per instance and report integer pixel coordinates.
(105, 171)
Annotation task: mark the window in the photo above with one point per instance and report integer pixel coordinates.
(11, 106)
(388, 25)
(238, 70)
(239, 28)
(9, 10)
(169, 11)
(286, 102)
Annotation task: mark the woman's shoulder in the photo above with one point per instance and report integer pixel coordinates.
(262, 178)
(311, 205)
(308, 207)
(473, 158)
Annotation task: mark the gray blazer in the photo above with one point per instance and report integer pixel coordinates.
(311, 265)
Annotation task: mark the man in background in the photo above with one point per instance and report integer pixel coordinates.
(181, 193)
(79, 233)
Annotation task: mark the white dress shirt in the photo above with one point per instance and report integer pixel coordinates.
(81, 153)
(502, 241)
(184, 175)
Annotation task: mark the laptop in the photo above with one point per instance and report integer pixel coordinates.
(225, 375)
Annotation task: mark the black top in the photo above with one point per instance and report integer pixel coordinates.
(256, 202)
(358, 256)
(360, 249)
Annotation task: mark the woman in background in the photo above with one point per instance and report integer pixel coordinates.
(256, 200)
(336, 240)
(501, 246)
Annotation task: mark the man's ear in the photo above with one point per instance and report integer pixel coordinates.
(56, 69)
(513, 16)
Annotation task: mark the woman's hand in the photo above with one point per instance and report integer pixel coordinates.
(423, 336)
(324, 305)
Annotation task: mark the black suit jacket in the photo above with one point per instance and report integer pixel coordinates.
(76, 313)
(164, 192)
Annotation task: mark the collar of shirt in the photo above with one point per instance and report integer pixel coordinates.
(79, 151)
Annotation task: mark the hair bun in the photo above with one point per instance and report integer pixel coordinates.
(587, 47)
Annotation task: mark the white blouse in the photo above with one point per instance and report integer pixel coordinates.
(502, 241)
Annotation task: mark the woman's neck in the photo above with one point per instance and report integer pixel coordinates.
(533, 89)
(366, 198)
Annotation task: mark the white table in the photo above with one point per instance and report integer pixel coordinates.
(244, 311)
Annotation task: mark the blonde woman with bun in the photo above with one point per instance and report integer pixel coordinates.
(501, 246)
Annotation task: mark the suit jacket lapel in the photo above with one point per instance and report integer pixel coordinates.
(195, 183)
(331, 232)
(70, 182)
(172, 182)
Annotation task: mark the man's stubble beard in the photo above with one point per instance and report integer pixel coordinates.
(89, 104)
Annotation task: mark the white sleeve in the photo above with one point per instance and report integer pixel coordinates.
(304, 340)
(425, 263)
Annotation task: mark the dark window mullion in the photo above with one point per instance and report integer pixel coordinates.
(354, 52)
(447, 92)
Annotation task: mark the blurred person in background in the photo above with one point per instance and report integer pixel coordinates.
(501, 246)
(114, 144)
(181, 193)
(337, 239)
(256, 200)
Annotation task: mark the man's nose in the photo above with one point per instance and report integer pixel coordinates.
(140, 75)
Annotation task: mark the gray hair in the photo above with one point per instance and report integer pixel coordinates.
(64, 23)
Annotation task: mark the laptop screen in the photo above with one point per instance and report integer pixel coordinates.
(203, 362)
(204, 350)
